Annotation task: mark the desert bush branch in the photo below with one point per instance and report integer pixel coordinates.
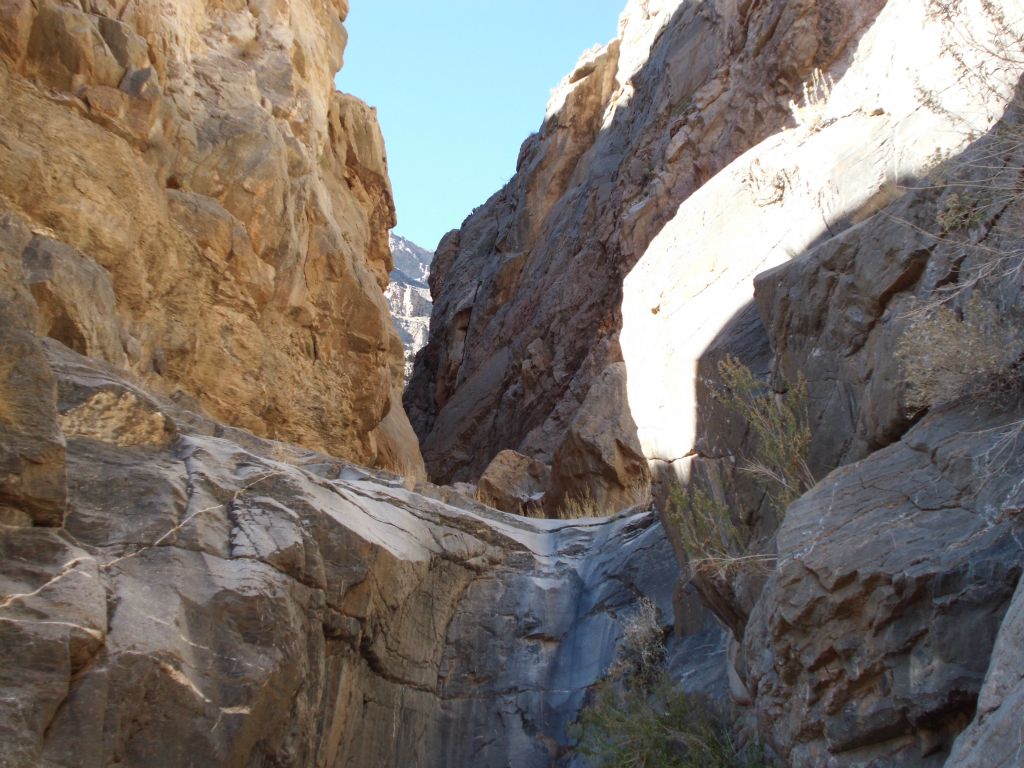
(639, 717)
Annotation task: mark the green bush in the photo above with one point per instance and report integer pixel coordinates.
(706, 525)
(659, 726)
(709, 535)
(639, 719)
(781, 430)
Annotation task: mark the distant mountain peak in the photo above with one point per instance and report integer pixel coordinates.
(408, 296)
(411, 261)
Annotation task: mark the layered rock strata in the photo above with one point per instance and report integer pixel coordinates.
(527, 293)
(204, 209)
(215, 598)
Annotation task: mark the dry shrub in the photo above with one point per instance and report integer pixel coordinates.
(642, 647)
(810, 115)
(638, 717)
(781, 430)
(948, 355)
(707, 527)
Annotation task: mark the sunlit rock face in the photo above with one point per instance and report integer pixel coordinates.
(913, 546)
(686, 211)
(207, 211)
(847, 160)
(804, 258)
(213, 598)
(408, 296)
(528, 292)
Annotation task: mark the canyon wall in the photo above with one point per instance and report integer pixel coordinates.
(528, 293)
(819, 251)
(686, 200)
(214, 598)
(192, 255)
(192, 201)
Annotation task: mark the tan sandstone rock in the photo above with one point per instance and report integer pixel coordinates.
(514, 483)
(208, 211)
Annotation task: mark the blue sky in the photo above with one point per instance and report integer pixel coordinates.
(458, 86)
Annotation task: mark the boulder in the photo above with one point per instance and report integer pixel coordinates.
(599, 468)
(514, 483)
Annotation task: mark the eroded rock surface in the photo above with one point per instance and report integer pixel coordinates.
(873, 637)
(527, 293)
(215, 598)
(205, 210)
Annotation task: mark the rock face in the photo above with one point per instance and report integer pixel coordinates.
(411, 262)
(527, 293)
(994, 736)
(408, 296)
(926, 567)
(870, 642)
(206, 211)
(674, 192)
(873, 636)
(514, 483)
(790, 192)
(215, 598)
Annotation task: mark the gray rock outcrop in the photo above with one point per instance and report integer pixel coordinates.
(215, 598)
(872, 638)
(994, 737)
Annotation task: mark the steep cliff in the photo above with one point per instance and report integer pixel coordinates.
(700, 207)
(527, 294)
(200, 207)
(824, 251)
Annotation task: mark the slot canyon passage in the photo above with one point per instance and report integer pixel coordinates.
(737, 352)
